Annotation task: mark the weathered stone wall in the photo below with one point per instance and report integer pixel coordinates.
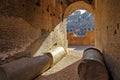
(87, 40)
(108, 33)
(26, 24)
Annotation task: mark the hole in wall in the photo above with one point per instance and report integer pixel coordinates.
(90, 1)
(117, 58)
(62, 16)
(107, 27)
(48, 30)
(68, 2)
(23, 5)
(117, 26)
(48, 9)
(61, 3)
(55, 44)
(38, 3)
(115, 32)
(43, 31)
(54, 14)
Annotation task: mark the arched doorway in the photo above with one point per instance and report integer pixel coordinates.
(77, 34)
(78, 5)
(80, 28)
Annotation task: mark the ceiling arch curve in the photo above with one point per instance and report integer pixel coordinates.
(77, 5)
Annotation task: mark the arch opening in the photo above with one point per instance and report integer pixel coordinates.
(80, 23)
(78, 5)
(80, 28)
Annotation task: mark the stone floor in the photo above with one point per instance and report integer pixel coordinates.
(66, 69)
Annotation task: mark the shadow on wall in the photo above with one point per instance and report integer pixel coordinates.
(19, 39)
(108, 64)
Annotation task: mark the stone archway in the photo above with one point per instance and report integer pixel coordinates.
(78, 5)
(89, 39)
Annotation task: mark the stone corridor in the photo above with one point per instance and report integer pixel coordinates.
(30, 28)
